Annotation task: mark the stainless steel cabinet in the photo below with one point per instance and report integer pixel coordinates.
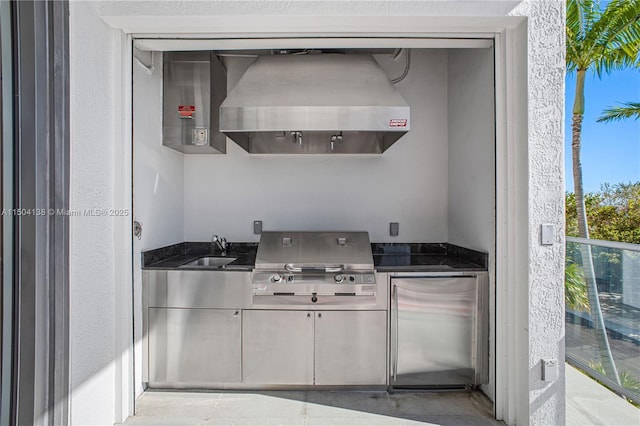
(197, 289)
(350, 347)
(439, 331)
(192, 323)
(194, 347)
(277, 347)
(283, 347)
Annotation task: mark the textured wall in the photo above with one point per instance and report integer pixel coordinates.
(92, 261)
(546, 44)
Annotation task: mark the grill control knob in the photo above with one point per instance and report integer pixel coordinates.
(339, 278)
(276, 278)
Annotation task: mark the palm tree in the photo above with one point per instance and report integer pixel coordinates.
(601, 40)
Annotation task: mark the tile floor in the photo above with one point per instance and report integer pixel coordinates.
(333, 408)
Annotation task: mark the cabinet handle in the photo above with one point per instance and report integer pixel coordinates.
(236, 313)
(308, 315)
(319, 315)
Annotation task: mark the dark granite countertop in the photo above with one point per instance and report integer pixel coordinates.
(387, 257)
(177, 255)
(426, 257)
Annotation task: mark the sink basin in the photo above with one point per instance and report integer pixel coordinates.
(211, 262)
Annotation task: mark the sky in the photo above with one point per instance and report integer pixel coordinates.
(610, 151)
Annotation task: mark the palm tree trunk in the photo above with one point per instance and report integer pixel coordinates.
(602, 339)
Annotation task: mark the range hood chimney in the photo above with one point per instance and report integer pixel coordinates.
(314, 104)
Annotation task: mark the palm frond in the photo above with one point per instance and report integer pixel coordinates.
(574, 37)
(575, 18)
(602, 39)
(579, 17)
(613, 40)
(589, 13)
(628, 110)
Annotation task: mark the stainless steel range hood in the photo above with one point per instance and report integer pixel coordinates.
(314, 104)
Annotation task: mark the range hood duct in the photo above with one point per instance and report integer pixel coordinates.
(314, 104)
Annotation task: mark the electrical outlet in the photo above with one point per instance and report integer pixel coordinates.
(257, 227)
(394, 229)
(549, 370)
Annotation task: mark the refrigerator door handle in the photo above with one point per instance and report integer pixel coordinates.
(394, 312)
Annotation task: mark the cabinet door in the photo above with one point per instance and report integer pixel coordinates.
(277, 347)
(350, 347)
(194, 346)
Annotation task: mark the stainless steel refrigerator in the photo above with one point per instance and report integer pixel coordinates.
(439, 330)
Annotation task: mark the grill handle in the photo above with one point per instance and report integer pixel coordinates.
(290, 267)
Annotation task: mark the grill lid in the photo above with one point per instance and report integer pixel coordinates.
(295, 251)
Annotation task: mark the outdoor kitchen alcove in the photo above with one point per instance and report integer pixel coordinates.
(437, 181)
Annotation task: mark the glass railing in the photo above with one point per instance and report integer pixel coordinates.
(602, 314)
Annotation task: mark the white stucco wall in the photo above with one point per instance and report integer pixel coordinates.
(546, 65)
(92, 281)
(98, 375)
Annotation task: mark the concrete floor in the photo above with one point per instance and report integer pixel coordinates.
(588, 403)
(311, 408)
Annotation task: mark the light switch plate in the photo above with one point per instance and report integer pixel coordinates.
(547, 234)
(394, 229)
(257, 227)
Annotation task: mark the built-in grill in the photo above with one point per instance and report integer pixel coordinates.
(314, 268)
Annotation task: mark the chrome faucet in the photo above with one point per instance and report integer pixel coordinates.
(221, 242)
